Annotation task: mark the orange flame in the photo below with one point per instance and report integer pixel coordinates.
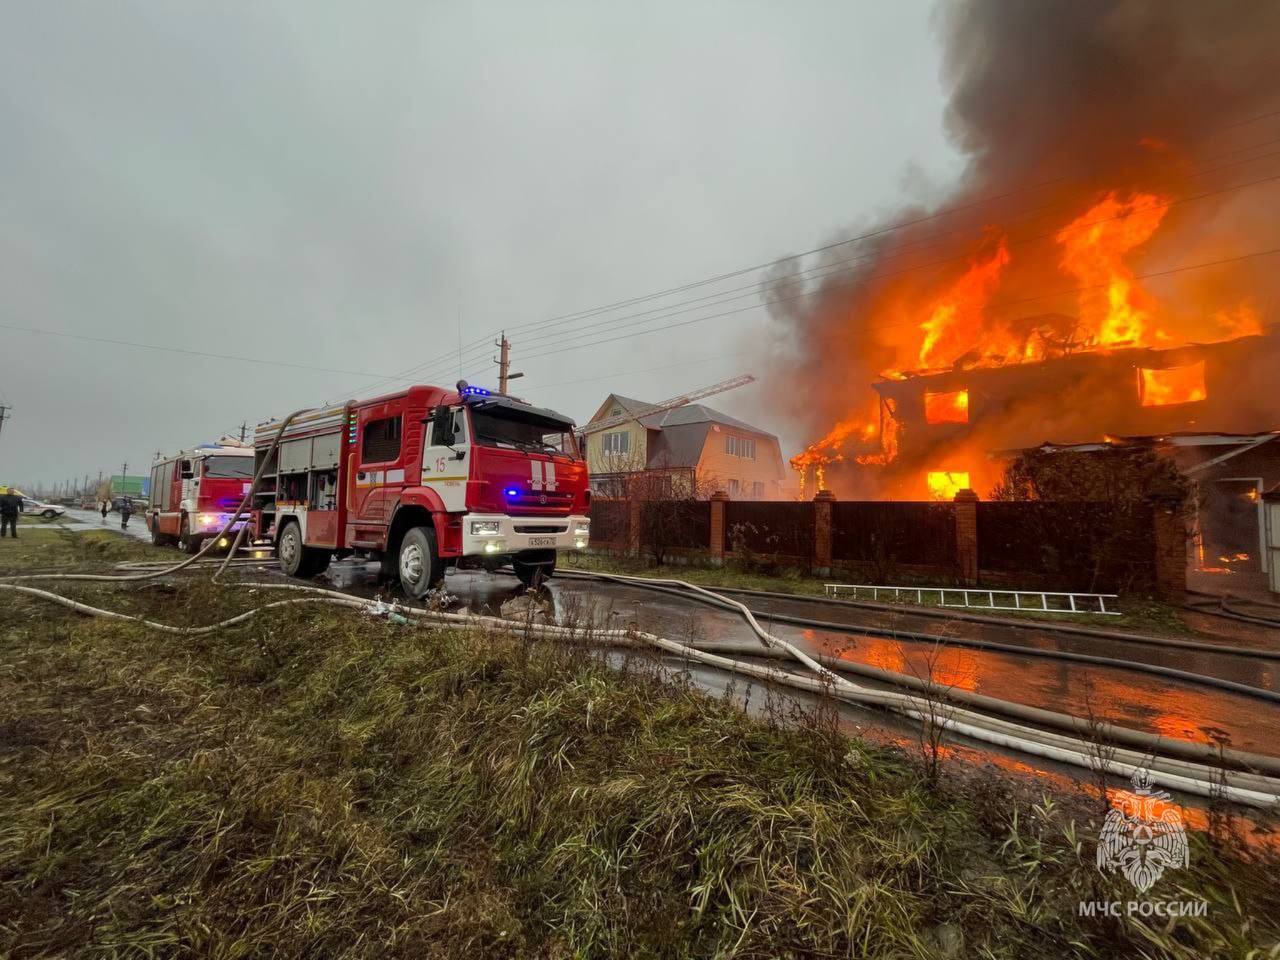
(955, 321)
(949, 407)
(1172, 385)
(945, 484)
(1114, 308)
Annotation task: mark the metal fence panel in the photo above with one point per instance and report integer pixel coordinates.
(883, 532)
(610, 520)
(776, 527)
(674, 524)
(1078, 546)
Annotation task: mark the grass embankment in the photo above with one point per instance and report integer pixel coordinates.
(315, 783)
(1138, 614)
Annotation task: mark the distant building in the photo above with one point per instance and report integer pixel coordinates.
(130, 486)
(691, 450)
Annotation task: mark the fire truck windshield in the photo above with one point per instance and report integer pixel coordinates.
(493, 428)
(231, 467)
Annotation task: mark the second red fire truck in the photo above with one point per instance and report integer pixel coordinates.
(421, 479)
(195, 492)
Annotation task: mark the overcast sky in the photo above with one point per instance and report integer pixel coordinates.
(358, 187)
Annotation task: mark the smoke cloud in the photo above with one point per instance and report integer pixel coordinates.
(1055, 105)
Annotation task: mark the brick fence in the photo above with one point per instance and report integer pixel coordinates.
(1137, 547)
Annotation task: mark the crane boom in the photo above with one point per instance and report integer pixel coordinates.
(731, 384)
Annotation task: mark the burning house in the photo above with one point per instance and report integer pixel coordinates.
(1106, 267)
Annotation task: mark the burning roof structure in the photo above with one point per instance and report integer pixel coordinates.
(1106, 266)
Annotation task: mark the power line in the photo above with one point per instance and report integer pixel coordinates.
(862, 281)
(823, 271)
(683, 323)
(595, 311)
(183, 351)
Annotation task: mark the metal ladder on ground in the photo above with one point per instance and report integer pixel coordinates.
(1024, 601)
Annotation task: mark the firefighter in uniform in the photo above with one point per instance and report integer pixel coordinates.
(10, 507)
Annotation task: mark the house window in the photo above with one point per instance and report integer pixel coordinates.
(616, 443)
(733, 488)
(757, 490)
(381, 441)
(615, 412)
(741, 447)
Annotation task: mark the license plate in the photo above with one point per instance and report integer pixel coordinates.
(542, 541)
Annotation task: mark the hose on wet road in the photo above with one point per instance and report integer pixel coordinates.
(699, 595)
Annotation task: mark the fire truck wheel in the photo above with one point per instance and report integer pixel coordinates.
(157, 538)
(420, 565)
(532, 574)
(296, 559)
(186, 542)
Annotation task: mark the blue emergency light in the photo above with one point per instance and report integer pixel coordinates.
(475, 392)
(512, 491)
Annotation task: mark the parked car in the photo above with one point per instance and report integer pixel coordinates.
(47, 510)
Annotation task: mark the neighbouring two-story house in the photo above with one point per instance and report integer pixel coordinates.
(689, 451)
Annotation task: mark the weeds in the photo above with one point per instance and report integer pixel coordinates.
(315, 783)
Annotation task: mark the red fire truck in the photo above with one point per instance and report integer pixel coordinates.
(195, 492)
(421, 479)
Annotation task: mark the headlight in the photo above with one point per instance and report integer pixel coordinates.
(485, 528)
(208, 519)
(582, 530)
(580, 543)
(493, 546)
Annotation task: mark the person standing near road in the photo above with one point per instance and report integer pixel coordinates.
(10, 507)
(126, 511)
(106, 505)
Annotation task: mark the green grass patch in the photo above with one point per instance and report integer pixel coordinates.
(316, 783)
(57, 546)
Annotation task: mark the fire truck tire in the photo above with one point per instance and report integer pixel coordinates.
(419, 564)
(186, 542)
(297, 559)
(157, 538)
(531, 574)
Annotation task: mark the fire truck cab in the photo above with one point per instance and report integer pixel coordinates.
(421, 479)
(195, 492)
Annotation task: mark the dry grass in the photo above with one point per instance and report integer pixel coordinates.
(318, 784)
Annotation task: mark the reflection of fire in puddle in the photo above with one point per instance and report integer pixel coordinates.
(944, 667)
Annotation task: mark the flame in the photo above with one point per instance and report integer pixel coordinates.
(949, 407)
(1172, 385)
(957, 330)
(945, 484)
(955, 321)
(1114, 308)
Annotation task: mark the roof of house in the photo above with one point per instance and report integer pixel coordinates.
(697, 413)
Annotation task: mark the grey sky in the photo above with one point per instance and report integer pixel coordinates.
(335, 185)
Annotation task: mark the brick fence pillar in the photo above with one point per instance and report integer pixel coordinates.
(822, 511)
(1170, 547)
(966, 502)
(634, 519)
(716, 546)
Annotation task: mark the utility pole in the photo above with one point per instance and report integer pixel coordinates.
(244, 429)
(4, 415)
(504, 364)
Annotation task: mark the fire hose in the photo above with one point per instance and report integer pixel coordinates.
(1191, 777)
(678, 588)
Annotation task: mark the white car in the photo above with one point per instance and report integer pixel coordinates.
(47, 510)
